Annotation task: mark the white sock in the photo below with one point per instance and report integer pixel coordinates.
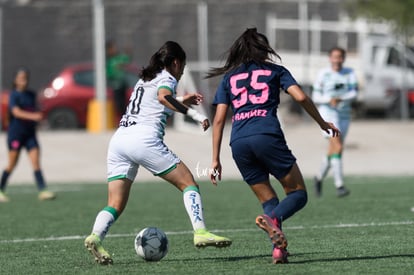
(103, 222)
(325, 166)
(336, 163)
(194, 207)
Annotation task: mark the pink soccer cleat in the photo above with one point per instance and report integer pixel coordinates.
(271, 227)
(280, 256)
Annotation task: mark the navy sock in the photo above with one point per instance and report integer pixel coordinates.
(4, 178)
(293, 202)
(39, 180)
(269, 205)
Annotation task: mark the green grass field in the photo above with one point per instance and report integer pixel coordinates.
(369, 232)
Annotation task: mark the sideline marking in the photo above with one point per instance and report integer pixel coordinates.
(334, 226)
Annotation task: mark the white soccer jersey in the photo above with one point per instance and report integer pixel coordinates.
(331, 84)
(144, 109)
(139, 139)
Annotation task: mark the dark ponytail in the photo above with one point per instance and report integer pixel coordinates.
(163, 58)
(250, 46)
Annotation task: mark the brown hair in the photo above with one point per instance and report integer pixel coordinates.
(339, 49)
(164, 57)
(250, 46)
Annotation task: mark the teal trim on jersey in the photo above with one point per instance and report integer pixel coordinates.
(353, 86)
(117, 177)
(168, 88)
(191, 188)
(166, 114)
(335, 156)
(161, 131)
(163, 122)
(161, 135)
(165, 172)
(112, 211)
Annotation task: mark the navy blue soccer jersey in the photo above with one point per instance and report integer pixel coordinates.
(252, 90)
(26, 101)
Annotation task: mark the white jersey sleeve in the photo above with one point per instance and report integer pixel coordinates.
(169, 83)
(352, 86)
(318, 95)
(144, 108)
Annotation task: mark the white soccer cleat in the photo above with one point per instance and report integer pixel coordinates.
(3, 197)
(46, 195)
(94, 246)
(203, 238)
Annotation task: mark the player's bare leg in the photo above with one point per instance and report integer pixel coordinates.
(118, 194)
(13, 158)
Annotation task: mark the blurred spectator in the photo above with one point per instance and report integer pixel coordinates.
(115, 75)
(334, 90)
(22, 133)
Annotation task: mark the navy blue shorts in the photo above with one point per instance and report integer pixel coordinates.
(258, 156)
(17, 141)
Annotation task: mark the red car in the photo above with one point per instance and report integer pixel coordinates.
(411, 102)
(64, 101)
(4, 113)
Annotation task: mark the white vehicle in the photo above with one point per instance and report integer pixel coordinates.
(388, 68)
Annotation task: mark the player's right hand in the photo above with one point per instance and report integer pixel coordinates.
(37, 116)
(205, 124)
(331, 129)
(215, 172)
(193, 99)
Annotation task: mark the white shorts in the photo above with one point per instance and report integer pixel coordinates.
(130, 147)
(341, 123)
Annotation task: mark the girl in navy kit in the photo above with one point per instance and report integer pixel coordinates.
(251, 87)
(22, 133)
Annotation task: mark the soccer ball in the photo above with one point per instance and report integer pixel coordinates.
(151, 244)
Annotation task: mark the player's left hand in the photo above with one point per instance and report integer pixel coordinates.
(37, 116)
(334, 102)
(215, 172)
(331, 129)
(193, 99)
